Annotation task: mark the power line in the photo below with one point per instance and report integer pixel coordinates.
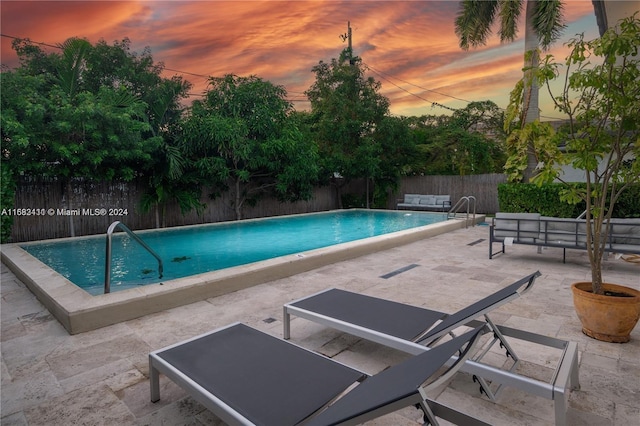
(419, 87)
(431, 90)
(411, 93)
(185, 72)
(30, 41)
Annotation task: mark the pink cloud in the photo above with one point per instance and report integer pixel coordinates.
(410, 41)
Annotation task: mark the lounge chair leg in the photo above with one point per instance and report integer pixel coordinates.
(567, 378)
(286, 322)
(560, 408)
(427, 415)
(154, 379)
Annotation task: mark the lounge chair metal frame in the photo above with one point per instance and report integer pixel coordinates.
(565, 376)
(349, 405)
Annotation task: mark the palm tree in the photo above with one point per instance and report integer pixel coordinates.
(543, 25)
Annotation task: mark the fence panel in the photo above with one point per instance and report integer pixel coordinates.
(483, 187)
(81, 207)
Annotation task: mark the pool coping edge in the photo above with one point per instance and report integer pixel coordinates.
(78, 311)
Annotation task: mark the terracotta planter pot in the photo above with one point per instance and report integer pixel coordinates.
(606, 318)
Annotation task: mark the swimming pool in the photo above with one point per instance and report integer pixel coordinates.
(79, 311)
(187, 251)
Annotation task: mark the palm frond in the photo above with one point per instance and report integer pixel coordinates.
(474, 20)
(510, 11)
(175, 161)
(548, 22)
(72, 66)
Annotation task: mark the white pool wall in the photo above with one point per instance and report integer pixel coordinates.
(79, 311)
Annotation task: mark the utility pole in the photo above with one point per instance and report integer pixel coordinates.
(350, 44)
(347, 37)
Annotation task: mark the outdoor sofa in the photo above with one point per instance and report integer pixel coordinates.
(425, 202)
(543, 231)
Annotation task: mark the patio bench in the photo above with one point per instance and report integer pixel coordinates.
(543, 231)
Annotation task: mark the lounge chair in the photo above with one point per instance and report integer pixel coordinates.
(413, 329)
(247, 377)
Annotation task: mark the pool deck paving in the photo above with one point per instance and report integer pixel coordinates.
(101, 377)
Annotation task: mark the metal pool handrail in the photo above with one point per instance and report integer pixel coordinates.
(469, 199)
(107, 266)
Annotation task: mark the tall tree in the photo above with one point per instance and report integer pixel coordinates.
(396, 150)
(346, 109)
(167, 180)
(543, 26)
(74, 114)
(600, 95)
(242, 136)
(80, 112)
(484, 117)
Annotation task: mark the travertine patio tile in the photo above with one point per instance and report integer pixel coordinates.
(137, 397)
(25, 355)
(109, 373)
(185, 411)
(370, 358)
(616, 387)
(101, 377)
(17, 303)
(16, 419)
(575, 417)
(11, 329)
(585, 402)
(90, 406)
(626, 415)
(96, 356)
(18, 395)
(483, 409)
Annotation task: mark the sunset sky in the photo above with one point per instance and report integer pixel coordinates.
(409, 46)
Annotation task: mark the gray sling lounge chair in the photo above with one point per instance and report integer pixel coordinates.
(247, 377)
(412, 329)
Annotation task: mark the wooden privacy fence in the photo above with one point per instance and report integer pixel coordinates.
(483, 187)
(57, 208)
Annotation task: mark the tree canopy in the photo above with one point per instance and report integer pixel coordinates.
(346, 109)
(600, 95)
(79, 112)
(102, 112)
(470, 141)
(242, 132)
(544, 22)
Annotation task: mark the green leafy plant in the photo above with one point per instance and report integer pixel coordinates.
(7, 192)
(242, 138)
(543, 199)
(601, 98)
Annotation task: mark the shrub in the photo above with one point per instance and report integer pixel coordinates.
(7, 191)
(545, 199)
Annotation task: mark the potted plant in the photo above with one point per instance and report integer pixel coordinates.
(600, 96)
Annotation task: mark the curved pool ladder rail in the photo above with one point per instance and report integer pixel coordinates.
(467, 202)
(107, 266)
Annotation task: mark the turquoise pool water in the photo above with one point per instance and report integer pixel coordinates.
(193, 250)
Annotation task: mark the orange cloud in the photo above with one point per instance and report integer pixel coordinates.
(54, 22)
(402, 41)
